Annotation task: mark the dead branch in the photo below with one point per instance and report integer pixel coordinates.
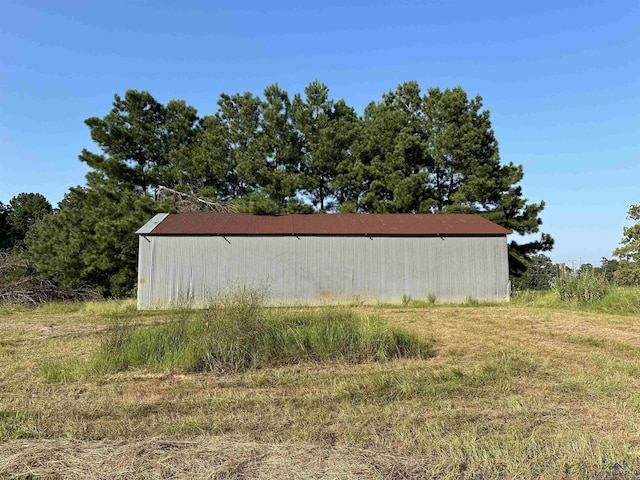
(189, 202)
(19, 287)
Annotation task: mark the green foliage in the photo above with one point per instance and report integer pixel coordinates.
(608, 268)
(540, 274)
(239, 333)
(469, 177)
(582, 287)
(17, 218)
(209, 170)
(91, 240)
(628, 272)
(13, 271)
(169, 345)
(410, 152)
(144, 142)
(264, 150)
(616, 300)
(391, 155)
(279, 168)
(5, 239)
(327, 131)
(438, 153)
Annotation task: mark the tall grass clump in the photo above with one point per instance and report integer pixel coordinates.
(584, 287)
(173, 344)
(234, 328)
(616, 299)
(623, 300)
(238, 333)
(335, 333)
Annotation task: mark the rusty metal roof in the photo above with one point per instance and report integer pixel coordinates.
(202, 223)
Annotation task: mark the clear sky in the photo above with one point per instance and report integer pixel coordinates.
(560, 78)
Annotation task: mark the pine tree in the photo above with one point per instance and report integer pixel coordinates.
(628, 272)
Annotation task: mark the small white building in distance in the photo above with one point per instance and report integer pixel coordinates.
(189, 258)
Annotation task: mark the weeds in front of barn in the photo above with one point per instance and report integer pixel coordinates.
(587, 296)
(238, 333)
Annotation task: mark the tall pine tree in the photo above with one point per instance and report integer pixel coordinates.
(437, 153)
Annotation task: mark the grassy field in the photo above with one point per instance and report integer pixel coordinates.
(530, 389)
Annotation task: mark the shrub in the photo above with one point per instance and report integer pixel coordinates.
(582, 287)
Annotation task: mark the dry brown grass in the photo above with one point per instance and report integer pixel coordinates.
(201, 458)
(512, 392)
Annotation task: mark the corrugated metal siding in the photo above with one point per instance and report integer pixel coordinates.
(312, 269)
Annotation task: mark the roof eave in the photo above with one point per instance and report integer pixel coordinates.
(148, 227)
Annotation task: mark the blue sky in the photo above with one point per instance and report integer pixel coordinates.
(561, 79)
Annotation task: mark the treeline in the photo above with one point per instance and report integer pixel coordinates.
(542, 273)
(18, 216)
(432, 152)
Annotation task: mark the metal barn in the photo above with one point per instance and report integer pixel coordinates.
(191, 257)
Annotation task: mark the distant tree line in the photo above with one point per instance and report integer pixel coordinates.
(410, 152)
(542, 273)
(18, 216)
